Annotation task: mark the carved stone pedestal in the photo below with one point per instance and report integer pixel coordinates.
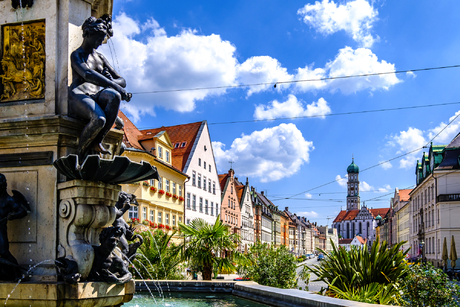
(85, 207)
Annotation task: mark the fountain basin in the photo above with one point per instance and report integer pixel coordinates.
(91, 294)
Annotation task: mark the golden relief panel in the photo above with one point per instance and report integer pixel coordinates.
(22, 65)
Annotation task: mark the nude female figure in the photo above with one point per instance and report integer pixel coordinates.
(97, 89)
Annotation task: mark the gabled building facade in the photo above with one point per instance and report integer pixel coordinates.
(192, 153)
(231, 212)
(247, 214)
(263, 217)
(161, 202)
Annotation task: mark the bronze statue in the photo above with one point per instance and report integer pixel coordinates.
(97, 89)
(125, 200)
(11, 207)
(107, 265)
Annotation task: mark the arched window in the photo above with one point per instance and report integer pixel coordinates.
(348, 230)
(338, 229)
(360, 229)
(353, 230)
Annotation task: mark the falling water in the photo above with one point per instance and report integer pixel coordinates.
(26, 274)
(159, 289)
(137, 271)
(162, 264)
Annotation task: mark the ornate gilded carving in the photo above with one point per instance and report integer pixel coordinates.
(23, 62)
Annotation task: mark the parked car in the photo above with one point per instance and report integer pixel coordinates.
(320, 257)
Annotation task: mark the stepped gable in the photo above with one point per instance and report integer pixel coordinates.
(130, 138)
(183, 135)
(345, 215)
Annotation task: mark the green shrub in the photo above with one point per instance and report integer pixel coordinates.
(424, 285)
(271, 266)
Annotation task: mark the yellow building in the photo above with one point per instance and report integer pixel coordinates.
(161, 203)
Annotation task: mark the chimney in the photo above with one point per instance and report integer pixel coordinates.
(262, 192)
(247, 181)
(286, 208)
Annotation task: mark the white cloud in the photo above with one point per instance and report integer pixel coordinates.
(355, 18)
(159, 62)
(449, 133)
(307, 214)
(270, 154)
(365, 187)
(408, 141)
(292, 108)
(411, 74)
(308, 195)
(342, 181)
(359, 62)
(386, 165)
(386, 188)
(262, 69)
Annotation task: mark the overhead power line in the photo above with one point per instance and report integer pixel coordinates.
(298, 81)
(373, 166)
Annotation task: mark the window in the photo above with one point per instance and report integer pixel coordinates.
(194, 202)
(174, 188)
(199, 161)
(183, 144)
(167, 155)
(188, 221)
(204, 183)
(144, 213)
(199, 181)
(228, 205)
(201, 204)
(132, 212)
(174, 220)
(167, 218)
(209, 185)
(152, 182)
(160, 183)
(194, 178)
(231, 189)
(212, 208)
(180, 219)
(213, 188)
(167, 185)
(180, 190)
(206, 206)
(152, 215)
(176, 145)
(160, 218)
(204, 164)
(217, 210)
(160, 152)
(209, 167)
(188, 200)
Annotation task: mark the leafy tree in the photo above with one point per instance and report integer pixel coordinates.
(209, 246)
(424, 285)
(354, 271)
(271, 266)
(158, 257)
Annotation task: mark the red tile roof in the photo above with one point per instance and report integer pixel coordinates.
(361, 239)
(130, 139)
(345, 215)
(379, 211)
(345, 241)
(177, 134)
(404, 194)
(223, 180)
(239, 192)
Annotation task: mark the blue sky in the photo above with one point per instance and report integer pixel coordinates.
(171, 45)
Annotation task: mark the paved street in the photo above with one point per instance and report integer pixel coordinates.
(313, 286)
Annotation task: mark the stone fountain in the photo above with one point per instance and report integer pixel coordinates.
(60, 159)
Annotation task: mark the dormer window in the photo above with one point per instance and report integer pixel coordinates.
(176, 145)
(183, 144)
(160, 152)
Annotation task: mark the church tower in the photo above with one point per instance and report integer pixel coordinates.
(353, 201)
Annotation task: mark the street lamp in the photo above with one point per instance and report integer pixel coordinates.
(422, 246)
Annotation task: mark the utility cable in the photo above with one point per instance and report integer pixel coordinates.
(299, 81)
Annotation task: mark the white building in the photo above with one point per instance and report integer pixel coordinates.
(247, 214)
(435, 201)
(193, 155)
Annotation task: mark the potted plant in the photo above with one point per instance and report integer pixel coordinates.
(153, 189)
(168, 194)
(145, 183)
(161, 192)
(146, 222)
(175, 196)
(181, 198)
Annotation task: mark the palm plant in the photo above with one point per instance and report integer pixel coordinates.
(209, 246)
(158, 257)
(353, 270)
